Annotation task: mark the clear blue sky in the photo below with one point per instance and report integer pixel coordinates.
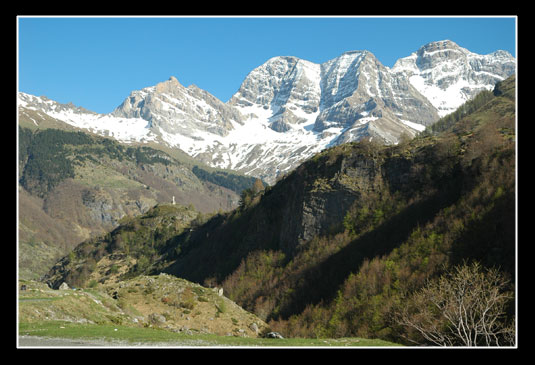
(95, 62)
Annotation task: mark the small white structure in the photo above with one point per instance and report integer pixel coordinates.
(174, 200)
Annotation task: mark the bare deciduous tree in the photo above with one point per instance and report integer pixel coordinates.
(466, 307)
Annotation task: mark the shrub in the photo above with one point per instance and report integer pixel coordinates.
(92, 284)
(188, 300)
(466, 307)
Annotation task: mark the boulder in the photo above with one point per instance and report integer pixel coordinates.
(274, 335)
(254, 327)
(156, 318)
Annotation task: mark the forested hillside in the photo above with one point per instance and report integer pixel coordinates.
(236, 183)
(336, 247)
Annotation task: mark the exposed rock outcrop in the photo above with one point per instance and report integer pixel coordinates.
(170, 107)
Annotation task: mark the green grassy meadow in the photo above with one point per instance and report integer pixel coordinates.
(139, 336)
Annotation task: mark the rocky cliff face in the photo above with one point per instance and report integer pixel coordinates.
(310, 202)
(287, 86)
(361, 96)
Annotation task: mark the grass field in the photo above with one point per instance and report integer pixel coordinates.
(126, 336)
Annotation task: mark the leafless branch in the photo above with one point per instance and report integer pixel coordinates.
(465, 307)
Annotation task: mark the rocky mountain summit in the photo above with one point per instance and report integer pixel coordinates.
(448, 75)
(172, 108)
(288, 109)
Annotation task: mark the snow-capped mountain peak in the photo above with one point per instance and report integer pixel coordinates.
(288, 109)
(173, 109)
(449, 75)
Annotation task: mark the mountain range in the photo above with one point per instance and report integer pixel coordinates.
(289, 109)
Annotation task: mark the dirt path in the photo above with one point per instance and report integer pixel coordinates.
(35, 341)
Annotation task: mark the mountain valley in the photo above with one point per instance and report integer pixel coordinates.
(316, 202)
